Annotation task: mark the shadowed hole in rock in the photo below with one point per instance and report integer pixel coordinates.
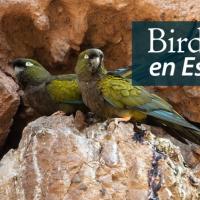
(115, 178)
(58, 15)
(115, 54)
(14, 136)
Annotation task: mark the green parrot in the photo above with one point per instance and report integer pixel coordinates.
(47, 93)
(111, 96)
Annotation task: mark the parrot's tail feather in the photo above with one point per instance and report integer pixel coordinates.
(175, 134)
(186, 133)
(176, 125)
(172, 117)
(125, 72)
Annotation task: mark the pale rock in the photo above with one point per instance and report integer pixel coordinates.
(56, 161)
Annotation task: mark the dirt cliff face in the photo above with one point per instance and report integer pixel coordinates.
(55, 31)
(56, 161)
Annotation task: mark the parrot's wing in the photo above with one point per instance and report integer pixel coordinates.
(125, 72)
(120, 93)
(64, 91)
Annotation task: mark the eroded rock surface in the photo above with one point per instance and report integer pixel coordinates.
(56, 161)
(9, 101)
(52, 30)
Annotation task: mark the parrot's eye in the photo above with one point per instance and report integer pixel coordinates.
(29, 64)
(86, 56)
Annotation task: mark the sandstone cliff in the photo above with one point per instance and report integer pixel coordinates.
(56, 161)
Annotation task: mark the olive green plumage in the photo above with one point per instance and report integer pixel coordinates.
(48, 93)
(114, 96)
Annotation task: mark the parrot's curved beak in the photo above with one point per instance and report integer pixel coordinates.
(17, 65)
(95, 63)
(18, 70)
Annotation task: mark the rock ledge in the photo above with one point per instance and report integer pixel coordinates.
(56, 161)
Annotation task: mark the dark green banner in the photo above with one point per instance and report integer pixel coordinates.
(166, 53)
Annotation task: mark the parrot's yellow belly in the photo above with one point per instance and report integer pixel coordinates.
(134, 115)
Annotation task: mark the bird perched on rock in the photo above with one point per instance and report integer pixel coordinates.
(111, 96)
(47, 93)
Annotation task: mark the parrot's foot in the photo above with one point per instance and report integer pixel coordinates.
(59, 112)
(79, 120)
(139, 134)
(115, 122)
(91, 118)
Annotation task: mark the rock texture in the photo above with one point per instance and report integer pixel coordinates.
(52, 30)
(9, 101)
(55, 161)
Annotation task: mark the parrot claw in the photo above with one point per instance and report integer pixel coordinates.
(79, 120)
(115, 122)
(139, 134)
(91, 118)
